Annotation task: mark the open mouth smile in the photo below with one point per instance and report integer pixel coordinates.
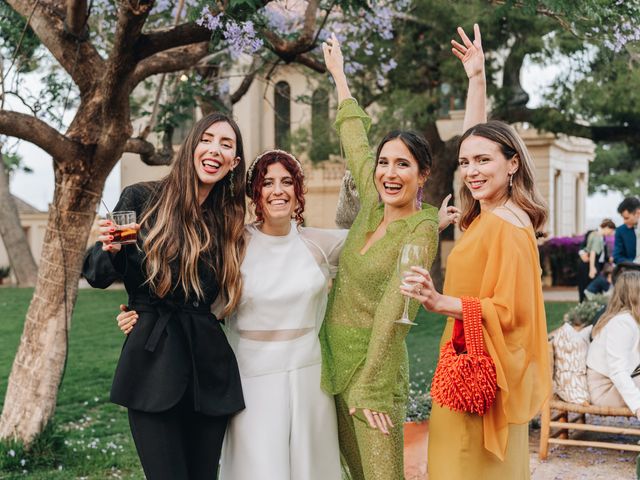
(211, 166)
(391, 188)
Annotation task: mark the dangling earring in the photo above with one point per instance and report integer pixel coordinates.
(511, 180)
(231, 183)
(419, 198)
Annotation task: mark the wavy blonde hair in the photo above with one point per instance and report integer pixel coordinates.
(625, 298)
(524, 192)
(178, 232)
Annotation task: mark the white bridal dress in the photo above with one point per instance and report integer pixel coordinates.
(288, 430)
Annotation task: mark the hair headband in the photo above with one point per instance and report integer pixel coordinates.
(258, 158)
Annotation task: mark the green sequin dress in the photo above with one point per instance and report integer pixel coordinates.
(364, 355)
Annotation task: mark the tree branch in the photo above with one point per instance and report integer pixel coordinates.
(122, 61)
(553, 120)
(148, 153)
(34, 130)
(244, 86)
(76, 20)
(80, 60)
(309, 61)
(185, 34)
(289, 49)
(172, 60)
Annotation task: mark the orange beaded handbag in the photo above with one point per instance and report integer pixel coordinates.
(466, 382)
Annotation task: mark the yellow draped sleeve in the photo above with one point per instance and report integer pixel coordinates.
(498, 262)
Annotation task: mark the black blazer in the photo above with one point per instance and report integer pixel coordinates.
(177, 342)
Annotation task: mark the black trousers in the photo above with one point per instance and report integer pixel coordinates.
(178, 444)
(582, 277)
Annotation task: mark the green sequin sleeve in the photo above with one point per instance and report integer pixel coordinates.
(385, 369)
(352, 124)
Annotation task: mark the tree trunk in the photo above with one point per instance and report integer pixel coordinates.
(13, 237)
(38, 366)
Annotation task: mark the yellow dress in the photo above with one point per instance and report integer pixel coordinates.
(498, 263)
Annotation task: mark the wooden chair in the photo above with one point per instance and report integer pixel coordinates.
(556, 421)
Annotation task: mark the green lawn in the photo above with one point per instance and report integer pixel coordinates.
(90, 437)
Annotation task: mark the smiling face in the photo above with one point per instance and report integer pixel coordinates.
(485, 170)
(215, 154)
(397, 176)
(277, 196)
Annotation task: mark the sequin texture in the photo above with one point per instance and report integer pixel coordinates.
(365, 359)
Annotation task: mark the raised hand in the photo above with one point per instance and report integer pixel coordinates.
(335, 64)
(333, 56)
(447, 214)
(470, 54)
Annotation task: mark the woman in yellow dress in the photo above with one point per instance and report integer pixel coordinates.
(495, 261)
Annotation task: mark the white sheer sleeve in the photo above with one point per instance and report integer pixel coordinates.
(325, 245)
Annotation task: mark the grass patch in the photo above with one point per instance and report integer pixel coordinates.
(89, 437)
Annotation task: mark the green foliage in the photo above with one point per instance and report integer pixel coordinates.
(11, 45)
(419, 402)
(616, 168)
(13, 163)
(583, 313)
(48, 451)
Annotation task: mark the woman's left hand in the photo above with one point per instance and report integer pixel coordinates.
(378, 420)
(421, 288)
(447, 214)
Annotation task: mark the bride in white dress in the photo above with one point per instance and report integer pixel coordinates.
(288, 430)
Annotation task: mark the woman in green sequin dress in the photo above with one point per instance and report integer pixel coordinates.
(365, 363)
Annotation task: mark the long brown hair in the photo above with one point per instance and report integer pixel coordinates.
(524, 191)
(179, 231)
(255, 181)
(625, 298)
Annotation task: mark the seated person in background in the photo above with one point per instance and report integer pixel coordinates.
(570, 347)
(614, 354)
(601, 284)
(624, 249)
(597, 249)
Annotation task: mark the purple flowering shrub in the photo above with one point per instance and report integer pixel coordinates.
(562, 253)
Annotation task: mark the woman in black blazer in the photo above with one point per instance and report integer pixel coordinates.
(177, 375)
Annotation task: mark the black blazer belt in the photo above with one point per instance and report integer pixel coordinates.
(165, 309)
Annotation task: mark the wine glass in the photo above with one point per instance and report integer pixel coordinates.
(410, 255)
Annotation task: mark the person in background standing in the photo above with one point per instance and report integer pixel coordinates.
(596, 247)
(625, 246)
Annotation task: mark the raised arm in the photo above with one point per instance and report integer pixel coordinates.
(472, 58)
(352, 124)
(335, 64)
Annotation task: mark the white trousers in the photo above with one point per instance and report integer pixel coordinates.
(288, 430)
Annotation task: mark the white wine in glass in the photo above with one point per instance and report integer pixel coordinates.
(410, 256)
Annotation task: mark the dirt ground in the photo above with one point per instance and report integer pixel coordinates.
(564, 462)
(580, 463)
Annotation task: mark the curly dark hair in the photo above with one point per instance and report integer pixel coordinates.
(256, 181)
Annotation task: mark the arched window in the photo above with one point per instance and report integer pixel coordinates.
(320, 126)
(282, 103)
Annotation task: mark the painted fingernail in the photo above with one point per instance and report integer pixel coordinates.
(112, 229)
(110, 237)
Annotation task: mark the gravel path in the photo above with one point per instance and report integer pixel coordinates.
(580, 463)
